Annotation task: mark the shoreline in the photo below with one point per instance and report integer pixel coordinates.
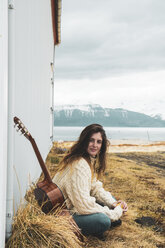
(118, 146)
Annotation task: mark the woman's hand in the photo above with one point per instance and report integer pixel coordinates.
(122, 204)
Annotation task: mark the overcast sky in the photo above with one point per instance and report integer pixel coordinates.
(112, 53)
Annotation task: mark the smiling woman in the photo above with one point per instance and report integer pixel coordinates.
(94, 209)
(95, 144)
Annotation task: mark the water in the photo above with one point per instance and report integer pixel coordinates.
(114, 133)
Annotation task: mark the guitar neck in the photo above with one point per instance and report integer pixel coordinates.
(40, 160)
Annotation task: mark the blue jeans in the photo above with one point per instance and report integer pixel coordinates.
(93, 224)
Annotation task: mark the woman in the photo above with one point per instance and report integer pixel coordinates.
(94, 209)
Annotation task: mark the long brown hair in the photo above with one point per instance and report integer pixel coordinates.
(79, 149)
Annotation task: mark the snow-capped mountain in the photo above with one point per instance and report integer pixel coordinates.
(155, 111)
(80, 115)
(152, 108)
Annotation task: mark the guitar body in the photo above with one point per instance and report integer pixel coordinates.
(49, 196)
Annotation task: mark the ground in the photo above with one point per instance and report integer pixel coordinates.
(139, 179)
(136, 177)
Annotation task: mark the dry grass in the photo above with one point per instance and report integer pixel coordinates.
(139, 179)
(134, 177)
(34, 229)
(143, 188)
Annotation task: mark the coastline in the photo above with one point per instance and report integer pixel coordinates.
(120, 146)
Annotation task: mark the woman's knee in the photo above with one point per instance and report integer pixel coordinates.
(103, 222)
(93, 223)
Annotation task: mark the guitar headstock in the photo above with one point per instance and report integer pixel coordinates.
(22, 128)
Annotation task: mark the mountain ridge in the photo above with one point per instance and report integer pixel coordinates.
(82, 115)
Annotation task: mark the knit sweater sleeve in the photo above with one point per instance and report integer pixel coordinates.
(78, 190)
(101, 195)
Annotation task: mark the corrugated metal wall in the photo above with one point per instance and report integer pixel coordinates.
(32, 92)
(3, 114)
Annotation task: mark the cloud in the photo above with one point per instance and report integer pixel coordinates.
(101, 39)
(131, 91)
(112, 53)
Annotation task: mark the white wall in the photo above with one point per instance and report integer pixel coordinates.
(32, 93)
(3, 114)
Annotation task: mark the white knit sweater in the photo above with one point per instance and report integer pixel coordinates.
(81, 191)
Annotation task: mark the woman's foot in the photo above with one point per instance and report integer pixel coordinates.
(115, 223)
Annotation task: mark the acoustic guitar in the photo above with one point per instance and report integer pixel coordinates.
(47, 193)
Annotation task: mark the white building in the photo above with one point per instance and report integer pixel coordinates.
(29, 31)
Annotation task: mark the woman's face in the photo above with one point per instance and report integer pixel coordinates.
(95, 143)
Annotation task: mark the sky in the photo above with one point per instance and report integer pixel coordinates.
(112, 53)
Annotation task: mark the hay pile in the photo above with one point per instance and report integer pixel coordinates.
(33, 228)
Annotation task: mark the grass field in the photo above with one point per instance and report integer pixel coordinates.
(131, 177)
(139, 179)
